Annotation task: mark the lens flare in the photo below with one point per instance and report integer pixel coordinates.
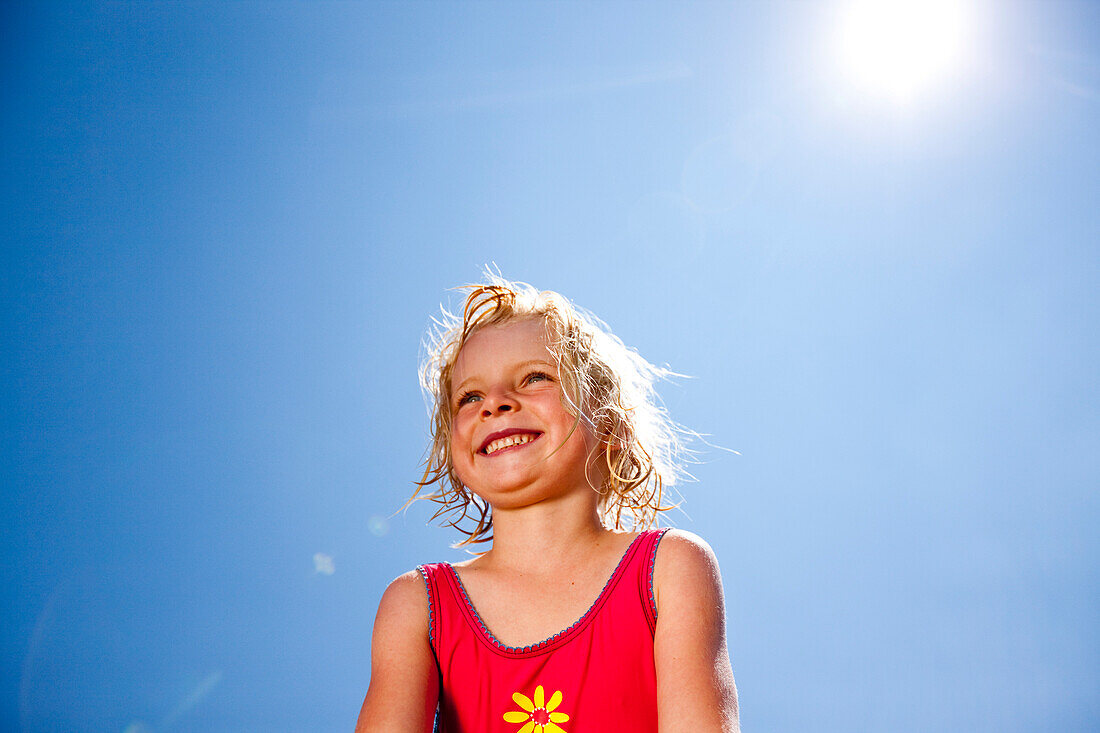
(323, 564)
(378, 526)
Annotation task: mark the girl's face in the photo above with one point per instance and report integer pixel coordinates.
(513, 443)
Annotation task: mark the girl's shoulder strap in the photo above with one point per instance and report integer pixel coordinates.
(644, 561)
(432, 573)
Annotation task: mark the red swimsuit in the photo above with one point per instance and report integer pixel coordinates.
(596, 676)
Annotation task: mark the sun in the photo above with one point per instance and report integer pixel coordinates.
(901, 48)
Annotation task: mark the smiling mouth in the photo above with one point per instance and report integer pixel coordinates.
(508, 441)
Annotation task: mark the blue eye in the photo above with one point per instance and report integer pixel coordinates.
(466, 398)
(537, 377)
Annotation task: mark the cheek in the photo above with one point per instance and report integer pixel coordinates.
(459, 438)
(463, 426)
(582, 442)
(459, 465)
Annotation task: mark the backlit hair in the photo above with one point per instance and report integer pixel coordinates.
(604, 383)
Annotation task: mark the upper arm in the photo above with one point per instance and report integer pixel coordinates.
(404, 683)
(695, 689)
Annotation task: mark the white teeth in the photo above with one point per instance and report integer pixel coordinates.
(508, 442)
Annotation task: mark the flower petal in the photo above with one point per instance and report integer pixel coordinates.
(523, 701)
(555, 700)
(559, 718)
(516, 716)
(529, 728)
(540, 697)
(551, 728)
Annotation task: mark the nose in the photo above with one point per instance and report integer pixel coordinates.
(498, 402)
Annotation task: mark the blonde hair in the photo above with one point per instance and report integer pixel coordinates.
(604, 383)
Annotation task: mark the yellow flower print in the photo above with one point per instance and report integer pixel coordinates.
(537, 715)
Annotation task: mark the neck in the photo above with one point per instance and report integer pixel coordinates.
(558, 535)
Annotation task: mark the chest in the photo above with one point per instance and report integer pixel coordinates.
(522, 610)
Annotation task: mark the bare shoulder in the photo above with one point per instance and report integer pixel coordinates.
(685, 563)
(407, 588)
(404, 603)
(684, 545)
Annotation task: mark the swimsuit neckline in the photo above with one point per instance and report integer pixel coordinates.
(560, 636)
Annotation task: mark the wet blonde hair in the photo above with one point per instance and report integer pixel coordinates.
(604, 383)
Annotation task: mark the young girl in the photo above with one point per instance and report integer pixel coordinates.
(548, 437)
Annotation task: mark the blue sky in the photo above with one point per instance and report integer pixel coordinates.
(226, 226)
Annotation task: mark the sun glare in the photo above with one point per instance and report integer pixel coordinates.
(900, 48)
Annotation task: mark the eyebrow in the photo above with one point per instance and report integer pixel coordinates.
(523, 364)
